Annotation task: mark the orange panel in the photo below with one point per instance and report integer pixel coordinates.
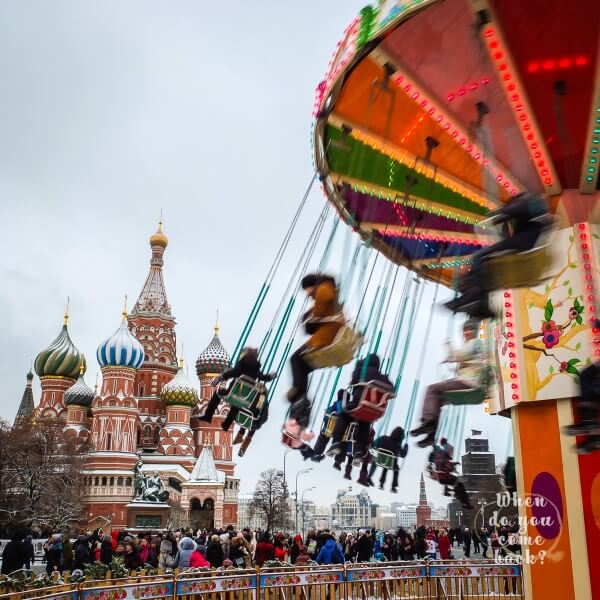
(540, 454)
(410, 125)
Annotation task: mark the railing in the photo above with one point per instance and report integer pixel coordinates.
(416, 580)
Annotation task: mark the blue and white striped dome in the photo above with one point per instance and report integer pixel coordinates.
(121, 349)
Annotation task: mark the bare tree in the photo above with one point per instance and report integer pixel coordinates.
(270, 500)
(40, 477)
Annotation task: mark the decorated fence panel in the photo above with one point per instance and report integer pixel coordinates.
(237, 585)
(55, 592)
(477, 580)
(389, 581)
(310, 583)
(141, 588)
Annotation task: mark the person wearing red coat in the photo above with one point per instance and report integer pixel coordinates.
(444, 544)
(264, 550)
(198, 560)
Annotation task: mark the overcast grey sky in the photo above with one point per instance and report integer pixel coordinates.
(111, 111)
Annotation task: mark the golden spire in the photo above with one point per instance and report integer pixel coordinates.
(216, 328)
(82, 365)
(124, 311)
(66, 321)
(159, 238)
(96, 384)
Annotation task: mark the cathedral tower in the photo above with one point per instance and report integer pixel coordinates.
(58, 367)
(27, 406)
(152, 323)
(179, 396)
(78, 401)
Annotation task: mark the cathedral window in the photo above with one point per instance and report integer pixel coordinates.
(104, 481)
(141, 389)
(108, 442)
(112, 481)
(114, 386)
(128, 482)
(97, 481)
(119, 481)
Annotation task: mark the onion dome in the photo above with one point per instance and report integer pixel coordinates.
(214, 359)
(159, 238)
(121, 349)
(61, 358)
(79, 393)
(179, 390)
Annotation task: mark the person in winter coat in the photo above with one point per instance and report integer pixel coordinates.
(302, 556)
(471, 360)
(237, 552)
(484, 536)
(392, 443)
(331, 554)
(106, 551)
(279, 550)
(198, 560)
(362, 373)
(364, 546)
(444, 544)
(186, 548)
(114, 534)
(67, 555)
(14, 555)
(264, 550)
(29, 551)
(132, 557)
(467, 542)
(295, 549)
(214, 552)
(323, 321)
(248, 365)
(146, 553)
(54, 557)
(166, 559)
(82, 555)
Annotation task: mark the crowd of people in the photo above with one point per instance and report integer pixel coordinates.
(227, 548)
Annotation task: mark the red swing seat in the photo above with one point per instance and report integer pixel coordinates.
(373, 401)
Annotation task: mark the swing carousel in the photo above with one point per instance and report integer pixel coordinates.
(433, 113)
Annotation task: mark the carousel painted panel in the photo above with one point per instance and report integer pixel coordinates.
(543, 338)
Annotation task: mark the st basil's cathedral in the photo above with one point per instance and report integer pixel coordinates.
(145, 409)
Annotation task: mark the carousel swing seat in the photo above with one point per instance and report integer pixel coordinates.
(329, 423)
(337, 354)
(465, 397)
(512, 270)
(246, 393)
(245, 418)
(373, 401)
(383, 458)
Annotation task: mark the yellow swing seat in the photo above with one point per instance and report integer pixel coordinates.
(517, 269)
(337, 354)
(329, 425)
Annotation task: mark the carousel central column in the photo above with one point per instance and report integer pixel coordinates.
(547, 337)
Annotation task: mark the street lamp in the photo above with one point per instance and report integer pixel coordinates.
(303, 471)
(483, 504)
(284, 457)
(459, 514)
(302, 504)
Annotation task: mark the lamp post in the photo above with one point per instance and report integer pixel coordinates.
(483, 504)
(303, 471)
(302, 504)
(284, 457)
(459, 514)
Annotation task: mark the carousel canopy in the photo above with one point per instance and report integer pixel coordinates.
(435, 111)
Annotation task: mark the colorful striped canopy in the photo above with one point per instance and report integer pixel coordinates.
(435, 111)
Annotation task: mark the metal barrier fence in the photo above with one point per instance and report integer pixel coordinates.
(417, 580)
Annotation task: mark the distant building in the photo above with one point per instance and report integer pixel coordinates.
(407, 516)
(351, 511)
(423, 509)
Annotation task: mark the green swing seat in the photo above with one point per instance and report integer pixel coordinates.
(464, 397)
(245, 418)
(245, 393)
(384, 458)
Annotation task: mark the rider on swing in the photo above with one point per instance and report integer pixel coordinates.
(442, 468)
(526, 216)
(365, 370)
(471, 359)
(249, 365)
(322, 322)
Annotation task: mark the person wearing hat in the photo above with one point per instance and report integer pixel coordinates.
(471, 360)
